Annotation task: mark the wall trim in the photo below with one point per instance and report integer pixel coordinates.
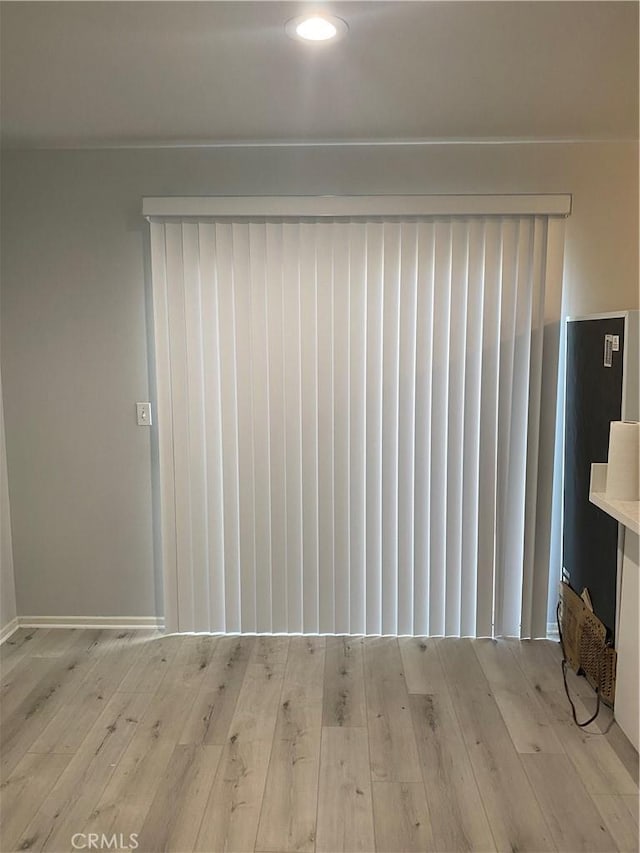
(78, 144)
(126, 622)
(9, 629)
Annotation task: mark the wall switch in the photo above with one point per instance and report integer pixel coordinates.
(615, 343)
(143, 414)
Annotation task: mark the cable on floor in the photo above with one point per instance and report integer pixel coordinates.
(564, 678)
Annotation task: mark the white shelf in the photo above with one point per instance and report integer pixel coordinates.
(625, 512)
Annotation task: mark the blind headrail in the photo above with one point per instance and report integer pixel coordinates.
(356, 205)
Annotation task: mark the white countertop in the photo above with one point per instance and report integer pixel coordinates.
(625, 512)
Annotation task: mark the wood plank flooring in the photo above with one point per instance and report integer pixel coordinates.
(327, 744)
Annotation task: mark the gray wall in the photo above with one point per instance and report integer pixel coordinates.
(74, 320)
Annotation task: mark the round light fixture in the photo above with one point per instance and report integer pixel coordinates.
(316, 28)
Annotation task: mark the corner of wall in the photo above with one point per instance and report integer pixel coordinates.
(8, 610)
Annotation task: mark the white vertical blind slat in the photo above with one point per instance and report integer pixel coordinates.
(354, 426)
(373, 416)
(390, 405)
(514, 498)
(533, 431)
(488, 425)
(407, 424)
(198, 492)
(357, 426)
(325, 428)
(424, 391)
(293, 426)
(309, 377)
(471, 429)
(226, 285)
(536, 622)
(455, 425)
(439, 428)
(508, 284)
(244, 396)
(210, 327)
(341, 426)
(261, 425)
(180, 415)
(277, 443)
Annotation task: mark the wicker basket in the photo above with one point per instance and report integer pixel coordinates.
(586, 647)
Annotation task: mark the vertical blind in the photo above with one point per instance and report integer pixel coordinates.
(350, 423)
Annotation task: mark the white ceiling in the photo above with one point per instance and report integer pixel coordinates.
(86, 73)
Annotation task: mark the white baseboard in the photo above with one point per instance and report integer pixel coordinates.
(130, 623)
(9, 629)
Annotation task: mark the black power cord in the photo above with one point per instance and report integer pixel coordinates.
(564, 678)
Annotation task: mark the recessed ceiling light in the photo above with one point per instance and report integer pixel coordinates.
(316, 28)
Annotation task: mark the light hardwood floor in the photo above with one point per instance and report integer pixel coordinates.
(324, 744)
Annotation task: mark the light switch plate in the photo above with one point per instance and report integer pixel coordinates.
(608, 351)
(143, 414)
